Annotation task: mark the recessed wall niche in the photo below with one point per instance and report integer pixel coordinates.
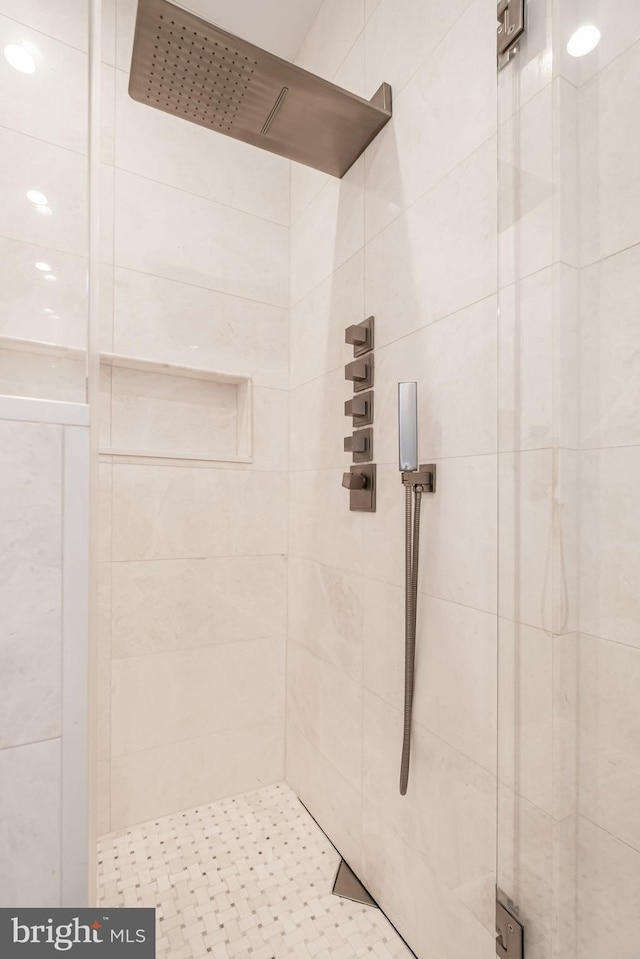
(159, 410)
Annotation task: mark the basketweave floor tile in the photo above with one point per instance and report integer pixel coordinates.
(248, 877)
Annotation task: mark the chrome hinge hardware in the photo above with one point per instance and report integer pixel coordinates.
(510, 938)
(510, 27)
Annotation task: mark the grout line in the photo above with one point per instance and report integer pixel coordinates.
(580, 815)
(197, 559)
(600, 639)
(431, 189)
(84, 257)
(197, 286)
(49, 143)
(234, 643)
(33, 742)
(198, 196)
(431, 732)
(240, 727)
(401, 89)
(50, 36)
(385, 346)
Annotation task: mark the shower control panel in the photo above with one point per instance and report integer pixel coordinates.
(360, 336)
(360, 409)
(361, 479)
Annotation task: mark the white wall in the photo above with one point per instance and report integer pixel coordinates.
(196, 260)
(408, 235)
(44, 484)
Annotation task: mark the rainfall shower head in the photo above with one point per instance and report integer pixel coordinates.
(192, 69)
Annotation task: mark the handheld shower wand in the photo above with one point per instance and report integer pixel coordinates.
(416, 480)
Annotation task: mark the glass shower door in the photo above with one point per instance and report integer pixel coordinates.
(569, 480)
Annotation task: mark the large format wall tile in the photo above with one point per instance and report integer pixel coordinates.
(161, 319)
(163, 512)
(331, 35)
(177, 696)
(619, 26)
(66, 20)
(318, 322)
(609, 174)
(538, 538)
(455, 683)
(321, 526)
(51, 103)
(526, 189)
(52, 312)
(526, 731)
(317, 424)
(30, 582)
(30, 817)
(610, 351)
(271, 431)
(458, 528)
(328, 232)
(208, 244)
(461, 348)
(182, 604)
(176, 776)
(606, 890)
(609, 537)
(331, 799)
(169, 513)
(455, 678)
(457, 114)
(609, 729)
(440, 256)
(526, 838)
(430, 913)
(448, 813)
(401, 34)
(326, 613)
(326, 706)
(220, 168)
(29, 164)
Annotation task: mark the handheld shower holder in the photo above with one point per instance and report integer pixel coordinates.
(424, 476)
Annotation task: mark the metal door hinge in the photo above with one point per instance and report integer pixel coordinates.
(510, 938)
(510, 28)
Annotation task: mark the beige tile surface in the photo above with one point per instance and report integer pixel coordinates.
(30, 813)
(186, 694)
(166, 605)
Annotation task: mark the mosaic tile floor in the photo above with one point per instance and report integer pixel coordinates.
(244, 877)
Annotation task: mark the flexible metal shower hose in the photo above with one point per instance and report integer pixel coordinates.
(411, 556)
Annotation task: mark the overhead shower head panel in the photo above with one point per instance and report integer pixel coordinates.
(192, 69)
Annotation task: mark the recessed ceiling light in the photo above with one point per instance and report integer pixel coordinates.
(44, 210)
(21, 56)
(50, 276)
(583, 41)
(40, 265)
(37, 197)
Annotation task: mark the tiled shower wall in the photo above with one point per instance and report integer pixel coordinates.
(569, 665)
(193, 569)
(410, 236)
(608, 660)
